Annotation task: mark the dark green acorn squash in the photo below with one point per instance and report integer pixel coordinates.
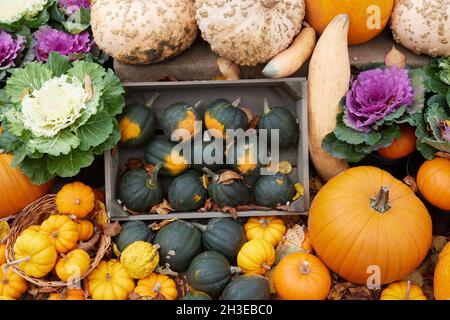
(179, 243)
(131, 232)
(247, 287)
(180, 115)
(186, 192)
(272, 190)
(206, 152)
(195, 295)
(223, 235)
(222, 115)
(227, 189)
(245, 156)
(209, 272)
(138, 191)
(163, 151)
(138, 124)
(282, 119)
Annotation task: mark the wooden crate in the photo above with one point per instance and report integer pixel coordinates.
(290, 93)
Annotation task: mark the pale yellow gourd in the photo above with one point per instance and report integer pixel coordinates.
(328, 82)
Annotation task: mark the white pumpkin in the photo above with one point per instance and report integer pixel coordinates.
(142, 31)
(249, 32)
(423, 26)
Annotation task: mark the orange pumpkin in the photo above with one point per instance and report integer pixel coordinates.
(271, 229)
(367, 17)
(442, 275)
(75, 198)
(69, 294)
(366, 225)
(62, 231)
(16, 191)
(72, 265)
(433, 180)
(85, 229)
(401, 147)
(302, 276)
(11, 284)
(157, 284)
(2, 253)
(402, 290)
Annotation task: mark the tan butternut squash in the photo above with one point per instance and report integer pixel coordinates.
(329, 80)
(291, 60)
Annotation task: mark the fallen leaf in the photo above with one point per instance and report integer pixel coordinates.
(442, 154)
(166, 270)
(251, 207)
(134, 163)
(299, 191)
(415, 277)
(91, 243)
(162, 208)
(134, 296)
(253, 123)
(112, 229)
(437, 245)
(411, 183)
(158, 225)
(231, 210)
(227, 177)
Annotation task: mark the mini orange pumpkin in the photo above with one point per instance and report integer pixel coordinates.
(62, 231)
(72, 265)
(433, 180)
(256, 257)
(75, 198)
(302, 276)
(271, 229)
(365, 217)
(442, 275)
(85, 229)
(402, 290)
(401, 147)
(11, 284)
(67, 294)
(157, 284)
(2, 253)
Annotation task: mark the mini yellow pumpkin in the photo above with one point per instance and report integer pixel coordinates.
(402, 290)
(35, 228)
(157, 284)
(62, 231)
(2, 253)
(74, 264)
(11, 284)
(271, 229)
(36, 253)
(75, 198)
(6, 298)
(85, 230)
(256, 257)
(110, 280)
(69, 294)
(140, 259)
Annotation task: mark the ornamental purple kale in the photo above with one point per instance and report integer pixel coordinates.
(9, 49)
(48, 40)
(376, 94)
(71, 6)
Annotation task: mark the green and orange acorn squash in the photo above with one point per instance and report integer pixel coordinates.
(222, 115)
(273, 190)
(180, 115)
(163, 151)
(227, 189)
(186, 192)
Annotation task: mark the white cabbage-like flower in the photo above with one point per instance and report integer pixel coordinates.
(13, 10)
(54, 107)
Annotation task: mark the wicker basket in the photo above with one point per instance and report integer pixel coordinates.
(34, 214)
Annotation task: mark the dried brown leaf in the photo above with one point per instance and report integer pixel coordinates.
(250, 207)
(112, 229)
(162, 208)
(158, 225)
(411, 183)
(227, 177)
(134, 296)
(442, 154)
(91, 243)
(134, 163)
(231, 210)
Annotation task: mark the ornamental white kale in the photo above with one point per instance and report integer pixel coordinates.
(57, 116)
(14, 10)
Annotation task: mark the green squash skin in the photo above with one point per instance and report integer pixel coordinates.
(184, 189)
(131, 232)
(229, 116)
(269, 193)
(172, 116)
(229, 195)
(208, 147)
(282, 119)
(137, 192)
(156, 151)
(195, 295)
(247, 287)
(182, 238)
(238, 152)
(209, 272)
(146, 119)
(224, 235)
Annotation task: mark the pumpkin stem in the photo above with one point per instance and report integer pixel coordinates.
(263, 222)
(200, 226)
(266, 106)
(197, 105)
(408, 290)
(269, 4)
(381, 202)
(305, 269)
(210, 174)
(16, 262)
(154, 177)
(108, 277)
(265, 266)
(237, 102)
(77, 202)
(235, 269)
(157, 287)
(151, 101)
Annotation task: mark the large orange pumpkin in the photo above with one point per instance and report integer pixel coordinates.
(433, 180)
(367, 17)
(16, 191)
(401, 147)
(365, 225)
(442, 275)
